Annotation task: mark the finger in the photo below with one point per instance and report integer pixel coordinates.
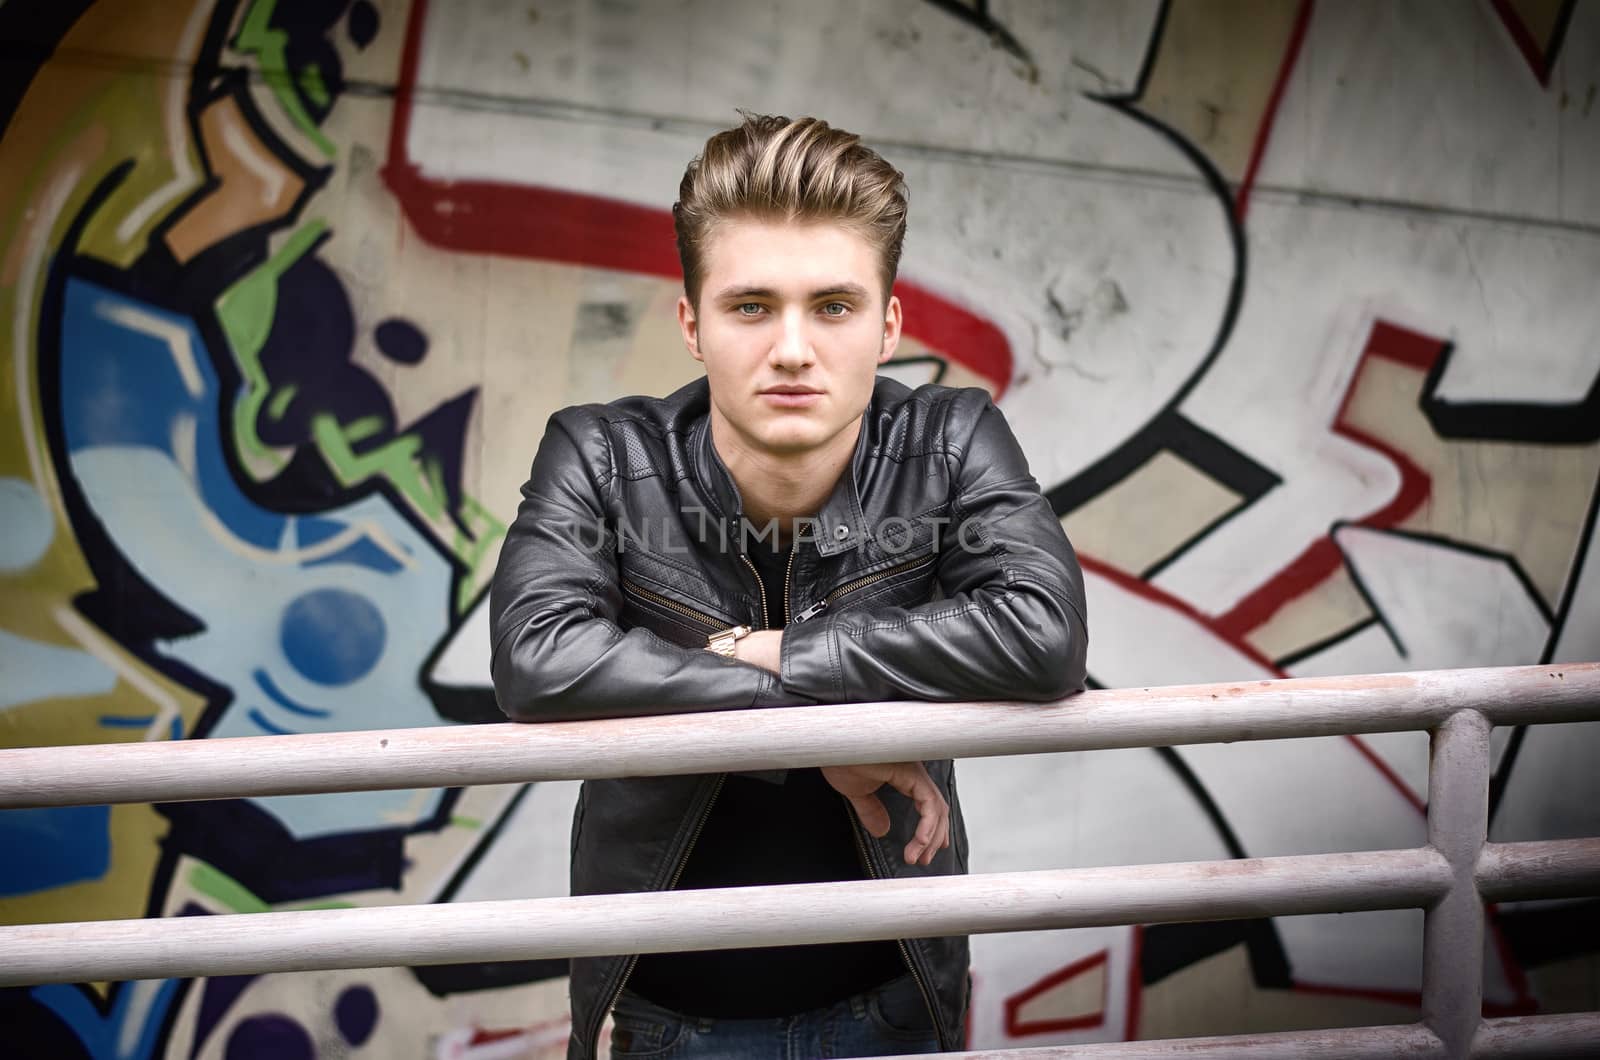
(932, 848)
(932, 828)
(852, 781)
(944, 839)
(873, 814)
(923, 839)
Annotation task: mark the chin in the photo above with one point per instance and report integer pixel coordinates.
(787, 442)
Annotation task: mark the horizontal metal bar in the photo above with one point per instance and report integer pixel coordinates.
(1562, 1036)
(448, 756)
(1556, 868)
(387, 936)
(1352, 1043)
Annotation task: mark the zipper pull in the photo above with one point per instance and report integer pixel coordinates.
(812, 611)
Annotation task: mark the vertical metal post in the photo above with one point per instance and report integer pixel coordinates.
(1452, 936)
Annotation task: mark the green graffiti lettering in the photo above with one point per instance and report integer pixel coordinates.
(270, 47)
(311, 84)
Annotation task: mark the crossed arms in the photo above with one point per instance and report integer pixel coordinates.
(1010, 626)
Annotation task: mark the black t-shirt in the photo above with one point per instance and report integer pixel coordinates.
(797, 830)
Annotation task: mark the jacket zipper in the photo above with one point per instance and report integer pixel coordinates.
(862, 583)
(788, 576)
(672, 883)
(709, 621)
(762, 589)
(905, 951)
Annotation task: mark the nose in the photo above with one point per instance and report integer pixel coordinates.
(791, 348)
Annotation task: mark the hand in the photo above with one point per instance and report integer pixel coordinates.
(911, 779)
(763, 648)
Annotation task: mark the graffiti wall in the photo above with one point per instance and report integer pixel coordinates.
(1291, 304)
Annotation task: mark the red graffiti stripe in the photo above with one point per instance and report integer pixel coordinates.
(1322, 558)
(528, 221)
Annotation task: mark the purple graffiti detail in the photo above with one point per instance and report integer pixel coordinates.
(221, 991)
(356, 1013)
(310, 347)
(363, 23)
(307, 22)
(34, 1030)
(270, 1037)
(254, 848)
(401, 341)
(220, 994)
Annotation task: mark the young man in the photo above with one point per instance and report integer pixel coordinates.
(788, 530)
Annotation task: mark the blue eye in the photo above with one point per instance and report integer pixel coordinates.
(835, 309)
(748, 309)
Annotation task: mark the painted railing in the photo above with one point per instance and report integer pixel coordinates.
(1449, 878)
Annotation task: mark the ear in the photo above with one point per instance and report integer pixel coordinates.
(689, 324)
(891, 328)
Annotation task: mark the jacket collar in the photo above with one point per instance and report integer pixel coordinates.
(841, 524)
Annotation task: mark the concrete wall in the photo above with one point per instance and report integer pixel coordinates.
(1292, 306)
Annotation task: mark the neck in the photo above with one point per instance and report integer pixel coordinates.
(782, 486)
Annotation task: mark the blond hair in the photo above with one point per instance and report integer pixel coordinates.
(772, 168)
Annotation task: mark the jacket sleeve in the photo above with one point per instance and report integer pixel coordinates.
(558, 651)
(1011, 625)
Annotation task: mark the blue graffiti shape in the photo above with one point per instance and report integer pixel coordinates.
(62, 845)
(26, 525)
(332, 636)
(35, 671)
(128, 1031)
(309, 622)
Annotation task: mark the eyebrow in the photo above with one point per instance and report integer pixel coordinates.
(728, 294)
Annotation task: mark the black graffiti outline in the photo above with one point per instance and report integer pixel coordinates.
(1177, 947)
(1538, 423)
(442, 980)
(978, 17)
(1168, 424)
(1317, 647)
(1569, 593)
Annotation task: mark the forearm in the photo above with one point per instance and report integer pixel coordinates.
(559, 651)
(1013, 642)
(1011, 624)
(563, 667)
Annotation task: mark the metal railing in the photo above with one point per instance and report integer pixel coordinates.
(1449, 878)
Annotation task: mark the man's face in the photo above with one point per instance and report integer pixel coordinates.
(791, 327)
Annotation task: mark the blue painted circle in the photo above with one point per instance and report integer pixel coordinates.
(332, 636)
(269, 1037)
(356, 1013)
(26, 526)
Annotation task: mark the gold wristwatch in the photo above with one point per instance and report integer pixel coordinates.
(723, 643)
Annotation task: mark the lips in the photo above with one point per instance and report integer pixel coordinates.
(791, 397)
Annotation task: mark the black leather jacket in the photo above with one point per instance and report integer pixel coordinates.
(935, 571)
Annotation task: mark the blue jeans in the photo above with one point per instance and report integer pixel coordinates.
(889, 1021)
